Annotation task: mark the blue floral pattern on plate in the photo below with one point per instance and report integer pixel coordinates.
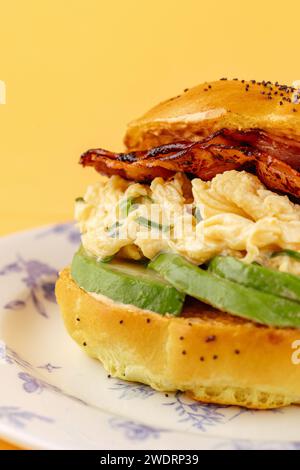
(128, 390)
(33, 392)
(135, 431)
(32, 384)
(68, 230)
(39, 279)
(49, 367)
(19, 418)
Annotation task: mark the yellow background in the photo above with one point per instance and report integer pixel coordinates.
(77, 71)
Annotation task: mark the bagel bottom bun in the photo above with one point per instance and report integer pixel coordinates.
(214, 357)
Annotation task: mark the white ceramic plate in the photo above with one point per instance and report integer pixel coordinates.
(54, 397)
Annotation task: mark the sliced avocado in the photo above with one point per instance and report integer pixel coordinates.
(128, 283)
(226, 295)
(253, 275)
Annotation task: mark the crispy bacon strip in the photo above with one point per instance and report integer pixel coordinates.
(282, 148)
(275, 160)
(278, 175)
(197, 158)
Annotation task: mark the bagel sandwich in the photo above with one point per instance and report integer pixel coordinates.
(188, 273)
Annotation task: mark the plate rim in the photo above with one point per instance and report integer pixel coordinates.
(29, 440)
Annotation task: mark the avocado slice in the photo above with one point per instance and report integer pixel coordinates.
(128, 283)
(226, 295)
(253, 275)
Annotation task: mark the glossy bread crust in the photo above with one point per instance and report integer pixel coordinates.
(206, 108)
(214, 357)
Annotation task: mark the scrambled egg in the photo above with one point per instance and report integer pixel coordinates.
(232, 214)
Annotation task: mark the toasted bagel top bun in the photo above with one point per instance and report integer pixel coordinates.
(206, 108)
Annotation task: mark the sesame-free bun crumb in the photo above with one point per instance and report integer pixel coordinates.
(212, 356)
(211, 106)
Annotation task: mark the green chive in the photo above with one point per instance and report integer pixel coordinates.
(291, 253)
(150, 224)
